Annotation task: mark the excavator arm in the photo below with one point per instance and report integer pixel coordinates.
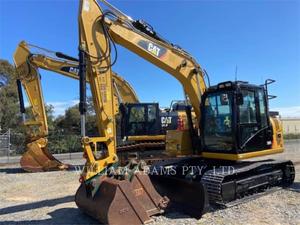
(37, 157)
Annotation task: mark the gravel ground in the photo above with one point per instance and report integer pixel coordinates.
(48, 198)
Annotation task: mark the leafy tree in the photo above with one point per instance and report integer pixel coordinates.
(70, 122)
(65, 136)
(50, 117)
(9, 107)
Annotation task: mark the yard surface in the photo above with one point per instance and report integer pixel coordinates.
(48, 198)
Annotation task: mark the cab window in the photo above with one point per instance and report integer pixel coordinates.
(248, 109)
(151, 113)
(137, 114)
(262, 108)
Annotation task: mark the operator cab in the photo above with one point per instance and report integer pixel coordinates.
(144, 119)
(140, 119)
(235, 119)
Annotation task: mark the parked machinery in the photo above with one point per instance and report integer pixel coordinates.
(36, 157)
(233, 123)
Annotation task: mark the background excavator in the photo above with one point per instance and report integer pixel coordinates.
(232, 123)
(37, 157)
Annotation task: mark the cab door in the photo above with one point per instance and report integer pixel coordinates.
(253, 121)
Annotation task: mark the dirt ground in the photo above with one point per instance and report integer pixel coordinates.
(48, 198)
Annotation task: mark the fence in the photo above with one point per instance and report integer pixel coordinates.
(5, 144)
(291, 128)
(13, 145)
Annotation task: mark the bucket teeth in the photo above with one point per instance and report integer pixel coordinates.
(37, 159)
(122, 201)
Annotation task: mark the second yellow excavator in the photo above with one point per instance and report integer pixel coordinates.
(36, 157)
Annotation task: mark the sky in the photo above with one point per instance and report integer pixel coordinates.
(260, 38)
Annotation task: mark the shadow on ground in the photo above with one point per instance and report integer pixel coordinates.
(59, 216)
(12, 170)
(36, 205)
(78, 167)
(295, 187)
(16, 170)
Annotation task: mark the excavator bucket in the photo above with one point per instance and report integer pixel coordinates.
(119, 202)
(39, 159)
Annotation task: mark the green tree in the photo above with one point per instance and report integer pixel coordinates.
(70, 122)
(65, 136)
(9, 106)
(50, 117)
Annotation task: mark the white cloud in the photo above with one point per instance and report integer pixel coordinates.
(60, 107)
(293, 111)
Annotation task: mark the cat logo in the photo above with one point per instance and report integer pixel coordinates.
(166, 121)
(153, 49)
(70, 69)
(156, 50)
(74, 70)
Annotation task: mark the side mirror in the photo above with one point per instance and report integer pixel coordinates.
(239, 99)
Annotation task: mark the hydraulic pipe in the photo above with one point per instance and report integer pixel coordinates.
(82, 90)
(64, 56)
(21, 99)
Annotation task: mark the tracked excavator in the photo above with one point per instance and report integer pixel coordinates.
(37, 158)
(210, 163)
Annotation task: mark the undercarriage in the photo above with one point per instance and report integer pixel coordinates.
(218, 183)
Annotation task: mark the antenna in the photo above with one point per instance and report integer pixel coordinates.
(236, 69)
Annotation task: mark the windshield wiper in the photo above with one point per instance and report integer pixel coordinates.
(252, 136)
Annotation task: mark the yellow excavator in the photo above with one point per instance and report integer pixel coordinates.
(37, 158)
(233, 124)
(210, 165)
